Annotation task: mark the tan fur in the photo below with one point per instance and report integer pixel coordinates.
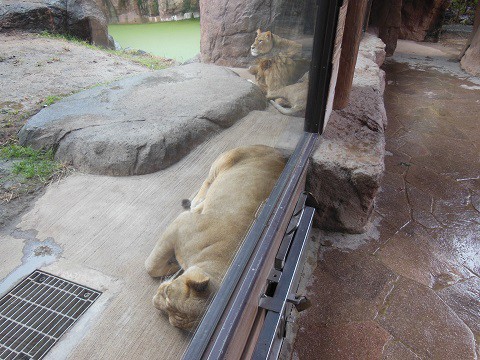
(203, 240)
(291, 99)
(279, 61)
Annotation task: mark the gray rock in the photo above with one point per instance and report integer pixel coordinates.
(80, 18)
(471, 60)
(348, 165)
(144, 123)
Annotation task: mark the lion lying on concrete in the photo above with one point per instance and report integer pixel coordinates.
(203, 240)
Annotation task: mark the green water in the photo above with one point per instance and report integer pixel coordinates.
(179, 40)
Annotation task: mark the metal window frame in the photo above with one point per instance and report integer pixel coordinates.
(235, 305)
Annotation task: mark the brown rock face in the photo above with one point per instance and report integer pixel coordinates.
(228, 29)
(422, 19)
(346, 168)
(387, 17)
(228, 26)
(417, 20)
(139, 11)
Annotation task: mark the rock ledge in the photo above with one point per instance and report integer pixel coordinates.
(144, 123)
(348, 165)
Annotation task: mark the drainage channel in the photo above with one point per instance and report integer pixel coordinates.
(37, 312)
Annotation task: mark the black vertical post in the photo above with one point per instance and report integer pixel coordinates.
(321, 65)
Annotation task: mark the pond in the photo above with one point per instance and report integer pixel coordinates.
(179, 40)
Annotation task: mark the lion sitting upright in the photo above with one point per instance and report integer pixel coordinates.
(203, 240)
(279, 62)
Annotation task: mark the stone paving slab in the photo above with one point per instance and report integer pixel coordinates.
(359, 340)
(415, 273)
(417, 317)
(144, 123)
(464, 299)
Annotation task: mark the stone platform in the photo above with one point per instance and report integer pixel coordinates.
(347, 166)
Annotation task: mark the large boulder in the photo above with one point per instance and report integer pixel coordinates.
(145, 123)
(80, 18)
(348, 165)
(471, 60)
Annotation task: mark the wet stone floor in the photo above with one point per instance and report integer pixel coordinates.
(410, 288)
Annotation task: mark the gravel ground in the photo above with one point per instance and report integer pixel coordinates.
(36, 70)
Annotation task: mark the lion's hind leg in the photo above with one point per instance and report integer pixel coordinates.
(162, 261)
(224, 162)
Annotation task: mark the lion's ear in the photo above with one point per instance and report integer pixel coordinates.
(269, 34)
(196, 279)
(259, 32)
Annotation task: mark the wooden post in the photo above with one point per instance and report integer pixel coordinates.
(351, 42)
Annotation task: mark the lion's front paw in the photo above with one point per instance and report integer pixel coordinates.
(253, 69)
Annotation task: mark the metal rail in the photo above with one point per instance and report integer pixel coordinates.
(285, 283)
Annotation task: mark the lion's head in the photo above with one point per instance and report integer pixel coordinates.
(184, 298)
(263, 43)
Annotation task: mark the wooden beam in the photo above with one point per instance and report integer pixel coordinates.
(351, 42)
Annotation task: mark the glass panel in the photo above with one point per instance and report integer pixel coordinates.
(282, 56)
(182, 107)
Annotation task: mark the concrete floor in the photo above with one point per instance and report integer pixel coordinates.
(410, 287)
(98, 231)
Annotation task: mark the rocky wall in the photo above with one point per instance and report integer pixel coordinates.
(347, 167)
(80, 18)
(139, 11)
(228, 29)
(422, 19)
(418, 20)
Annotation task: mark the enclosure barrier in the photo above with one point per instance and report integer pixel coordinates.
(248, 316)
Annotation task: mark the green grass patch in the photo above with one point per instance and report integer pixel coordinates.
(51, 99)
(41, 170)
(67, 37)
(31, 164)
(151, 61)
(145, 59)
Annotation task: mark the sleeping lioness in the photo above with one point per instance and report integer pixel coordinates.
(203, 240)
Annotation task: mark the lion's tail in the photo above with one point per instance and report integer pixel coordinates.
(186, 204)
(283, 110)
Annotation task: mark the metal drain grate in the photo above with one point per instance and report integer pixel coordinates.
(37, 312)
